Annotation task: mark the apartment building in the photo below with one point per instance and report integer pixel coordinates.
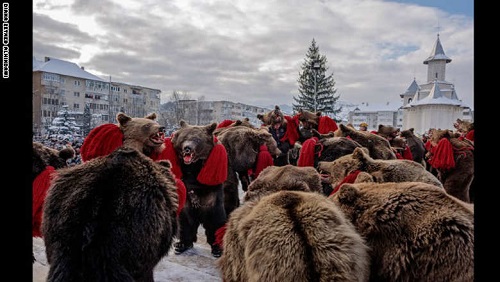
(57, 83)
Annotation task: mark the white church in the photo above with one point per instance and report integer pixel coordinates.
(434, 104)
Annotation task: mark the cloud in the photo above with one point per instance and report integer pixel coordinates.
(251, 51)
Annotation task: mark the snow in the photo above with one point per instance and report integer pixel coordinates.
(196, 264)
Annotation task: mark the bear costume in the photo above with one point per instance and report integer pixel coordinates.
(378, 146)
(416, 231)
(397, 170)
(200, 161)
(249, 151)
(112, 218)
(292, 236)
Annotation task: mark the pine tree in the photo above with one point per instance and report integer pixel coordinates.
(87, 117)
(316, 89)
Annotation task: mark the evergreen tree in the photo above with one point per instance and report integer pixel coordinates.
(316, 89)
(87, 117)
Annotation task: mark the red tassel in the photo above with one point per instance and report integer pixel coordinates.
(442, 157)
(40, 185)
(169, 154)
(326, 124)
(101, 141)
(407, 154)
(225, 123)
(350, 178)
(292, 132)
(214, 171)
(181, 194)
(306, 156)
(264, 159)
(219, 236)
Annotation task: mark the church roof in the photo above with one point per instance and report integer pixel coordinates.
(436, 97)
(437, 53)
(57, 66)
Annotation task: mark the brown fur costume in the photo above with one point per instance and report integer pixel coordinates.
(243, 146)
(416, 231)
(111, 218)
(378, 146)
(292, 236)
(45, 161)
(202, 164)
(398, 170)
(454, 161)
(416, 144)
(277, 178)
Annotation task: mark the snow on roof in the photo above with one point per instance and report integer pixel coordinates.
(391, 106)
(57, 66)
(436, 97)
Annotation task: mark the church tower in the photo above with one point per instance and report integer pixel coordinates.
(434, 104)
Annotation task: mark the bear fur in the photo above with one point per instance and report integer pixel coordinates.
(416, 144)
(112, 218)
(193, 146)
(378, 146)
(398, 170)
(292, 236)
(288, 177)
(387, 131)
(458, 176)
(243, 145)
(45, 162)
(416, 231)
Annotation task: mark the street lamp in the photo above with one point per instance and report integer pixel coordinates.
(315, 66)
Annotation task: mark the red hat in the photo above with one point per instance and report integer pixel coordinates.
(101, 141)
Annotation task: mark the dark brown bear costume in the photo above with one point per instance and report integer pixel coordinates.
(292, 236)
(111, 218)
(248, 149)
(416, 231)
(46, 161)
(276, 178)
(416, 144)
(200, 160)
(381, 170)
(378, 146)
(453, 158)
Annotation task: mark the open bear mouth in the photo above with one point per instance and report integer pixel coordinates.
(158, 138)
(188, 158)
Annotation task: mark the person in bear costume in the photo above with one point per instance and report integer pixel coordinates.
(200, 160)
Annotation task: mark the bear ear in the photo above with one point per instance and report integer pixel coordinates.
(246, 119)
(67, 153)
(301, 111)
(411, 130)
(361, 153)
(238, 122)
(151, 116)
(211, 127)
(318, 114)
(259, 116)
(277, 107)
(380, 126)
(122, 118)
(347, 193)
(183, 123)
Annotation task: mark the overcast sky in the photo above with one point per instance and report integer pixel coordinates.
(251, 51)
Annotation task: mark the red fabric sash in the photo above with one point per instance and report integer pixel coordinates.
(443, 157)
(101, 141)
(292, 132)
(326, 124)
(40, 185)
(264, 159)
(306, 156)
(350, 178)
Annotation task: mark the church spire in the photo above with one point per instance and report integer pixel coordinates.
(437, 53)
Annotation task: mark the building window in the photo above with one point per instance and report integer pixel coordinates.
(76, 106)
(77, 83)
(436, 75)
(76, 94)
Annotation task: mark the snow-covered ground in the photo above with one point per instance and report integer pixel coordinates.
(196, 264)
